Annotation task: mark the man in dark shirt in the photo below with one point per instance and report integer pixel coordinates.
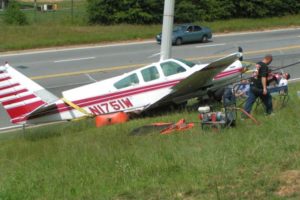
(258, 87)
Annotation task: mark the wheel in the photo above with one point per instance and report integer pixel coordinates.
(218, 94)
(178, 41)
(204, 39)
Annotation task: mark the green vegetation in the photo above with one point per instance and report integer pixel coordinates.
(65, 13)
(49, 34)
(149, 12)
(13, 15)
(35, 36)
(77, 161)
(68, 24)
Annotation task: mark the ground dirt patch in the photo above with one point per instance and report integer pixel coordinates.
(289, 183)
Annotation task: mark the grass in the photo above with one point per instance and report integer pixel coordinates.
(64, 15)
(223, 26)
(35, 36)
(55, 29)
(78, 161)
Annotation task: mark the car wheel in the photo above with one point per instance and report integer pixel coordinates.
(178, 41)
(204, 39)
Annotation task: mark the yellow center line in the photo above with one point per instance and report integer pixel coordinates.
(86, 71)
(144, 64)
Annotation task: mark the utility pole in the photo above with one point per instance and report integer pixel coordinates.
(168, 20)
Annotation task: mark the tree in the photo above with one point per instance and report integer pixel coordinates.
(124, 11)
(151, 11)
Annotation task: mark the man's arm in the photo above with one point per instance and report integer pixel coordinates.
(264, 84)
(263, 71)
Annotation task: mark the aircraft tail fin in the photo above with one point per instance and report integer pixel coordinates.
(20, 95)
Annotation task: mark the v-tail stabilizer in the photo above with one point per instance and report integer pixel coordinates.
(19, 95)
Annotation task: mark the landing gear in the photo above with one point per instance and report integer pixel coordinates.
(216, 94)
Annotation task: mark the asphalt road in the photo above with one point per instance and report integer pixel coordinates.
(60, 69)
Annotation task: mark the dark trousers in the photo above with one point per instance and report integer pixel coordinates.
(266, 99)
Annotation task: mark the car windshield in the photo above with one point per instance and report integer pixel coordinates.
(179, 28)
(188, 63)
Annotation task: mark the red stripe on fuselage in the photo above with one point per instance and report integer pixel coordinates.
(9, 86)
(13, 93)
(227, 73)
(17, 100)
(117, 95)
(5, 79)
(149, 87)
(24, 109)
(102, 98)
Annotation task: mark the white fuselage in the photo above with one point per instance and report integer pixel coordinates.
(133, 91)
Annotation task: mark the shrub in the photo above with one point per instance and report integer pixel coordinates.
(13, 15)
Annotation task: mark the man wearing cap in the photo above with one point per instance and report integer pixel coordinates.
(258, 87)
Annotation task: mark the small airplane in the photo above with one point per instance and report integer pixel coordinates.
(171, 81)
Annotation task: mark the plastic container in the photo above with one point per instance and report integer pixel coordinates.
(213, 117)
(204, 109)
(110, 119)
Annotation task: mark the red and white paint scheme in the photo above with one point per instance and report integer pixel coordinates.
(166, 82)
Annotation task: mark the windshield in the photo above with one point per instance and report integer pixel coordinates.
(188, 63)
(178, 28)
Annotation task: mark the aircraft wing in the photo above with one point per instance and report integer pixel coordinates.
(203, 77)
(200, 79)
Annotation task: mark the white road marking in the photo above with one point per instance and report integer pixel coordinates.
(154, 55)
(91, 78)
(61, 49)
(212, 45)
(74, 59)
(254, 32)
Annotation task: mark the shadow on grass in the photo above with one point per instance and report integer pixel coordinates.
(36, 135)
(57, 130)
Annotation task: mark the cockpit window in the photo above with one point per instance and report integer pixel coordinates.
(188, 63)
(169, 68)
(127, 81)
(150, 74)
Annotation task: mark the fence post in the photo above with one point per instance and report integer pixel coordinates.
(2, 4)
(35, 10)
(72, 10)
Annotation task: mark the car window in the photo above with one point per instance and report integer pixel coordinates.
(188, 63)
(169, 68)
(197, 28)
(127, 81)
(189, 29)
(150, 74)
